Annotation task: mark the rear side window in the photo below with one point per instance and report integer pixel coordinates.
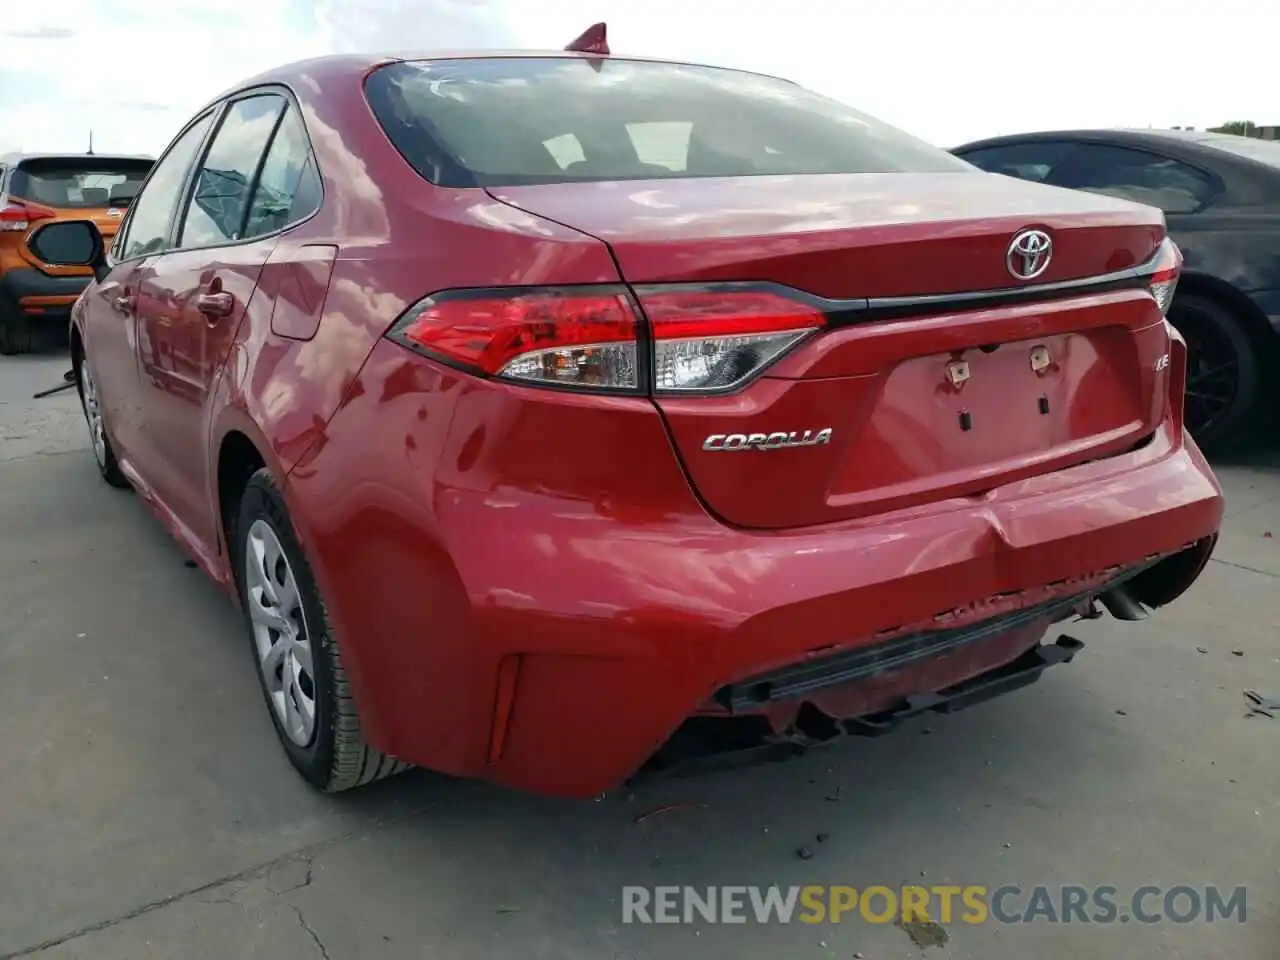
(77, 183)
(220, 198)
(514, 121)
(1136, 175)
(1026, 161)
(289, 186)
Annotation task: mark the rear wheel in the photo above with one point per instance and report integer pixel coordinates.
(98, 439)
(1223, 375)
(299, 665)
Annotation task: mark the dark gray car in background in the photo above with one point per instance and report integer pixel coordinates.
(1221, 198)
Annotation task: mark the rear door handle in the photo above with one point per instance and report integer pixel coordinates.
(215, 306)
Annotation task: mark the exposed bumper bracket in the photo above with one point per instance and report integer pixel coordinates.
(1020, 673)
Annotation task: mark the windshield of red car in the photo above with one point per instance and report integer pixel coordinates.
(506, 121)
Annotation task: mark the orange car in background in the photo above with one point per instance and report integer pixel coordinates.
(39, 189)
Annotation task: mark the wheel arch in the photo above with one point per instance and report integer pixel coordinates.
(239, 449)
(1256, 324)
(238, 460)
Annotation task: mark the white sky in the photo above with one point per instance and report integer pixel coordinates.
(135, 70)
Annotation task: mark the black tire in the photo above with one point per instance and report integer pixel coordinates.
(1224, 378)
(108, 466)
(337, 757)
(18, 334)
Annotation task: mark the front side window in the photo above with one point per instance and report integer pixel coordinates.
(1137, 175)
(507, 121)
(220, 197)
(147, 231)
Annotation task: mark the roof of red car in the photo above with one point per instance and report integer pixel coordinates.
(354, 65)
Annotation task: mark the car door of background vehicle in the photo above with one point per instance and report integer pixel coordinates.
(199, 290)
(111, 308)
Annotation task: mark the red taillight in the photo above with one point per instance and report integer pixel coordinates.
(574, 338)
(1164, 280)
(703, 339)
(716, 339)
(18, 217)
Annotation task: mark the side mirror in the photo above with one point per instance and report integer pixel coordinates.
(70, 243)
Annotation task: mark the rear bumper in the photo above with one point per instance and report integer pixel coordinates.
(29, 292)
(591, 707)
(555, 644)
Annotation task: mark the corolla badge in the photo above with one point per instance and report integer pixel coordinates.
(1029, 254)
(767, 441)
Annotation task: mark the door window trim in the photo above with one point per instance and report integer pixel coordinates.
(113, 259)
(188, 190)
(217, 112)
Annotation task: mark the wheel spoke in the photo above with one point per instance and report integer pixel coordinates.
(275, 657)
(304, 706)
(302, 653)
(267, 614)
(260, 571)
(287, 593)
(291, 715)
(1205, 395)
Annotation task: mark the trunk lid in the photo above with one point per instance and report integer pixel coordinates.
(930, 403)
(846, 235)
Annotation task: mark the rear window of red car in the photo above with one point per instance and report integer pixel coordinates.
(78, 182)
(508, 121)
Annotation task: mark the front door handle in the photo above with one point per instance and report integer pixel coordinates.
(215, 306)
(124, 302)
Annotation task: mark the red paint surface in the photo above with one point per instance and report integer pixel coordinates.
(455, 524)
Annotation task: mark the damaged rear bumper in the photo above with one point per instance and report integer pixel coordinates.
(600, 636)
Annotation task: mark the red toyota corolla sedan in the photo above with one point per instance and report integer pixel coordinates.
(555, 417)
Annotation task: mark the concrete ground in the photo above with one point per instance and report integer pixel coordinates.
(147, 811)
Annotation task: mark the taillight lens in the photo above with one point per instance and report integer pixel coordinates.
(1164, 280)
(16, 217)
(709, 340)
(704, 340)
(567, 338)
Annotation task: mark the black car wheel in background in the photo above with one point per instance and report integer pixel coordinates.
(1221, 199)
(1223, 382)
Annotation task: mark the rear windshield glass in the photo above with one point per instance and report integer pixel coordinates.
(511, 121)
(1264, 151)
(78, 182)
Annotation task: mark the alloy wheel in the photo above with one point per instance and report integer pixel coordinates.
(280, 633)
(93, 413)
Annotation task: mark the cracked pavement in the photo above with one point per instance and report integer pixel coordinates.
(146, 811)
